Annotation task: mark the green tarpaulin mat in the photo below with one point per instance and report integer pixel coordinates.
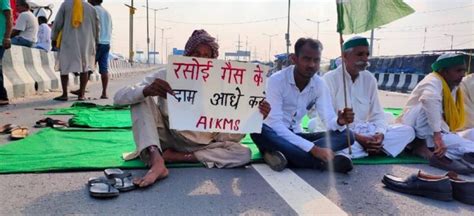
(78, 107)
(400, 159)
(96, 116)
(56, 150)
(395, 111)
(100, 116)
(101, 145)
(102, 119)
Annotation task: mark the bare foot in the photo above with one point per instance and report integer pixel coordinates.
(157, 172)
(173, 156)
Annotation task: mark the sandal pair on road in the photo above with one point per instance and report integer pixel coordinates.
(19, 132)
(16, 132)
(110, 185)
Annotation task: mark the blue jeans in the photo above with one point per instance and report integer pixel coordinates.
(21, 42)
(3, 91)
(102, 57)
(269, 140)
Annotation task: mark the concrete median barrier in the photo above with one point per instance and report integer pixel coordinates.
(28, 71)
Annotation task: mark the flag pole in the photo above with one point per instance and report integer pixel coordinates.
(341, 41)
(469, 63)
(365, 21)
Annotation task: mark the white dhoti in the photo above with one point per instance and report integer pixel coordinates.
(457, 144)
(396, 138)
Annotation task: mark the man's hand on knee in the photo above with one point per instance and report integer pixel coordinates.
(324, 154)
(371, 144)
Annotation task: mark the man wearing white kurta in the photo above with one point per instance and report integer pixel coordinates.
(372, 133)
(76, 32)
(157, 143)
(467, 86)
(436, 112)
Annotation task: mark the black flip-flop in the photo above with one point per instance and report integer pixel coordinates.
(5, 129)
(49, 122)
(76, 92)
(123, 179)
(60, 98)
(101, 187)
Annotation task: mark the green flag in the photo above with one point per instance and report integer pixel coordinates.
(356, 16)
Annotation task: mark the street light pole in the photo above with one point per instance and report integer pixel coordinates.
(452, 39)
(166, 50)
(378, 46)
(162, 40)
(424, 39)
(371, 48)
(147, 35)
(269, 44)
(317, 24)
(130, 42)
(287, 36)
(154, 39)
(154, 30)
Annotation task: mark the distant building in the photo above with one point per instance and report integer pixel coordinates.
(177, 51)
(239, 55)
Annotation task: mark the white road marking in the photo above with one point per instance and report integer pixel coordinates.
(299, 195)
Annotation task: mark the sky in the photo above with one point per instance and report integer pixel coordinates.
(253, 20)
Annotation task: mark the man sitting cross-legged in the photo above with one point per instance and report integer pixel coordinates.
(157, 143)
(291, 92)
(372, 134)
(435, 109)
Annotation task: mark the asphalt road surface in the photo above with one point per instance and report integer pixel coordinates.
(252, 190)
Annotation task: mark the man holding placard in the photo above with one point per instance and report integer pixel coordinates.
(151, 125)
(292, 92)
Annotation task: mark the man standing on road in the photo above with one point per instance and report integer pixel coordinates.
(372, 134)
(156, 142)
(76, 27)
(26, 27)
(435, 109)
(292, 92)
(5, 30)
(103, 48)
